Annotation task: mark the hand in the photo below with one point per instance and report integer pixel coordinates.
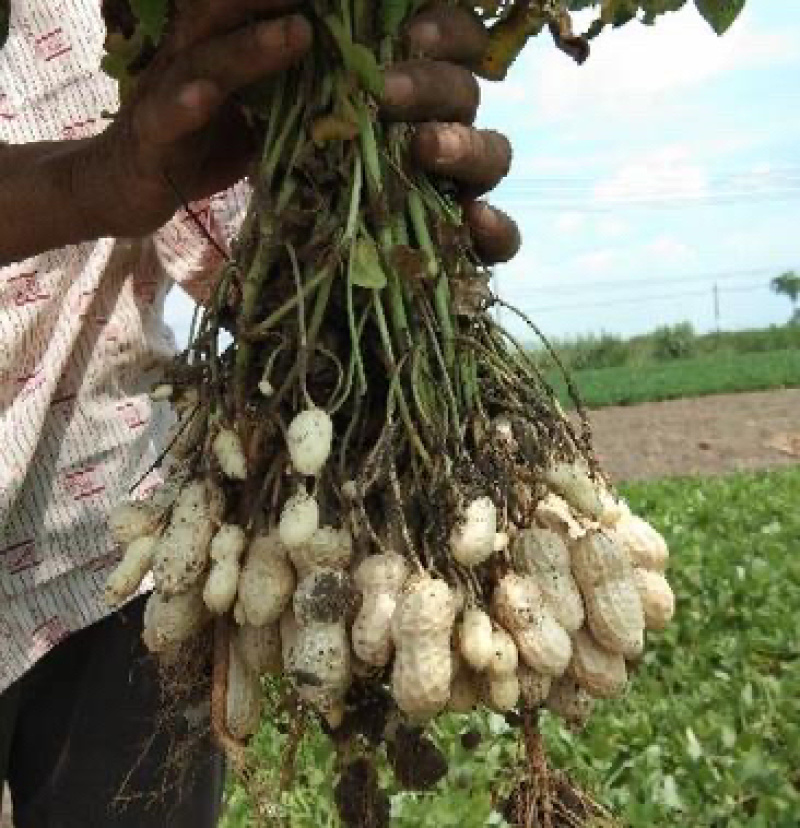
(183, 121)
(437, 91)
(182, 124)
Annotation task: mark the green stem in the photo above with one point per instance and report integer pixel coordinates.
(369, 151)
(355, 339)
(405, 414)
(263, 329)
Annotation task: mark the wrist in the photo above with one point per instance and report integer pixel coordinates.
(111, 198)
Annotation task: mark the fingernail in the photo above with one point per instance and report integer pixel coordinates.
(448, 146)
(398, 89)
(425, 36)
(191, 96)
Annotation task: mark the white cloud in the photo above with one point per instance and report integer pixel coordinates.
(597, 262)
(637, 67)
(611, 227)
(569, 222)
(665, 173)
(666, 250)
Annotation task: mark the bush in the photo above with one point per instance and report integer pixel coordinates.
(673, 342)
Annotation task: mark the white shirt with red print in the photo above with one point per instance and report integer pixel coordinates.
(81, 337)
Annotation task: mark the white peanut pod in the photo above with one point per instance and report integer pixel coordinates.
(534, 687)
(613, 606)
(227, 547)
(505, 656)
(322, 597)
(503, 692)
(266, 582)
(130, 521)
(600, 673)
(169, 622)
(572, 481)
(379, 578)
(422, 675)
(658, 600)
(544, 556)
(472, 540)
(129, 574)
(299, 520)
(259, 648)
(243, 699)
(320, 664)
(182, 555)
(614, 508)
(475, 638)
(543, 643)
(570, 701)
(645, 545)
(327, 547)
(421, 630)
(555, 514)
(309, 439)
(229, 453)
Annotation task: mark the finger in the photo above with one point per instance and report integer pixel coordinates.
(476, 159)
(427, 90)
(494, 233)
(446, 33)
(198, 20)
(192, 90)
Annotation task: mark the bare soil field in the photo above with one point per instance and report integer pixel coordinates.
(701, 436)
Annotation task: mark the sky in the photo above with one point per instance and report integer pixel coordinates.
(665, 165)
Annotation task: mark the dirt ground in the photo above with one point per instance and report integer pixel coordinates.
(701, 436)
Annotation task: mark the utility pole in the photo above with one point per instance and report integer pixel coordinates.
(716, 306)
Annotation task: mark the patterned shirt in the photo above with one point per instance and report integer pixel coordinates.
(81, 339)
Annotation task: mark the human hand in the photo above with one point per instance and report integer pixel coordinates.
(438, 92)
(182, 135)
(183, 132)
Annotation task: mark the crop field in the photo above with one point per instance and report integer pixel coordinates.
(718, 373)
(709, 734)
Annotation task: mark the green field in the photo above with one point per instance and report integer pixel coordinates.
(708, 736)
(719, 373)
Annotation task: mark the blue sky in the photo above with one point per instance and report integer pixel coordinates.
(668, 162)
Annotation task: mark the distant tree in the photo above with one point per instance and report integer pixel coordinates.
(788, 284)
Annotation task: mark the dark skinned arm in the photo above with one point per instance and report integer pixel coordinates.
(183, 120)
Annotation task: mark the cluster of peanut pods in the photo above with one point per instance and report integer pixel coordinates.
(570, 595)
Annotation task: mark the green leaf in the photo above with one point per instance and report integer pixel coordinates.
(720, 14)
(367, 271)
(152, 15)
(357, 58)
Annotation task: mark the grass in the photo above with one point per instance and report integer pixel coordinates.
(692, 377)
(709, 734)
(667, 343)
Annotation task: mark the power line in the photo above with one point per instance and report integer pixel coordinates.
(723, 275)
(639, 299)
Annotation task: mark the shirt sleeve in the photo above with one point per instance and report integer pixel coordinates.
(184, 248)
